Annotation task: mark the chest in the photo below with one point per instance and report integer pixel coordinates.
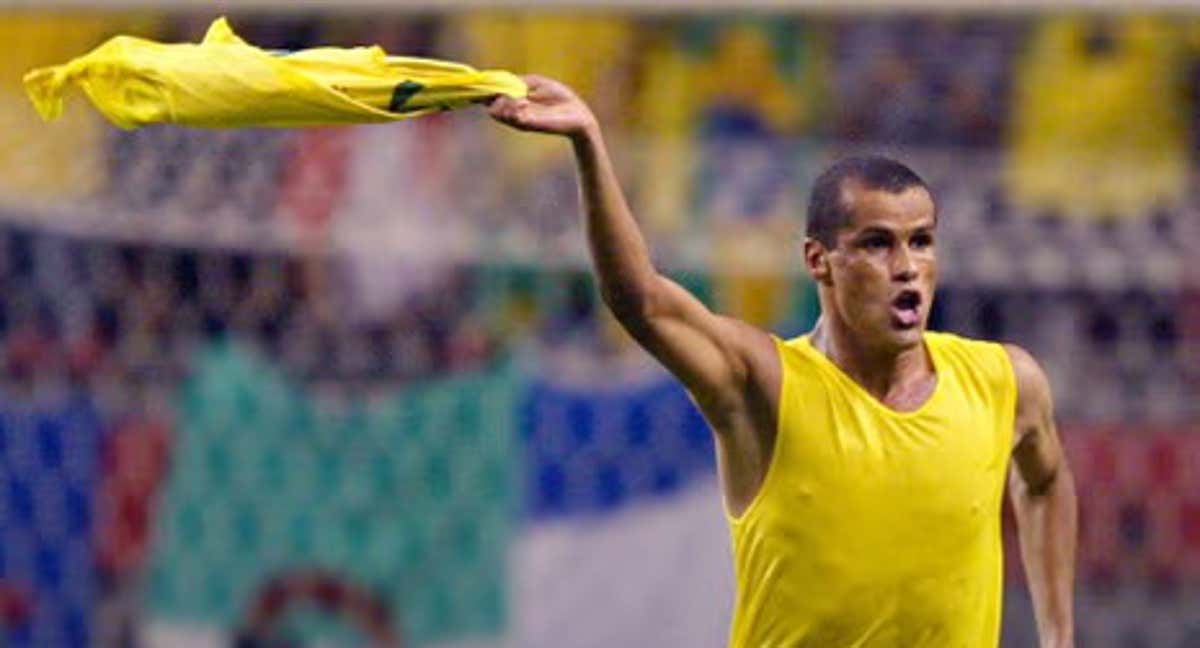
(947, 455)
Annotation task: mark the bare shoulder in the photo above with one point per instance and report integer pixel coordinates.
(1033, 387)
(755, 345)
(1035, 408)
(1037, 449)
(759, 367)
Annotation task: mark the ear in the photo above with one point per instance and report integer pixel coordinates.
(816, 259)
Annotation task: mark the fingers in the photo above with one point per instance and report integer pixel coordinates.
(534, 80)
(507, 110)
(543, 88)
(502, 106)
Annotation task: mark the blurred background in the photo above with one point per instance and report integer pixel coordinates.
(353, 386)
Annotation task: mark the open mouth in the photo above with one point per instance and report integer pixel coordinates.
(906, 309)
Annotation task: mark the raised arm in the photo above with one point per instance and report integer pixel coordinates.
(729, 367)
(714, 356)
(1043, 496)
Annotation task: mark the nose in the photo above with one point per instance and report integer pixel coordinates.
(903, 268)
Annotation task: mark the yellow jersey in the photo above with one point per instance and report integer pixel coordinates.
(875, 527)
(224, 82)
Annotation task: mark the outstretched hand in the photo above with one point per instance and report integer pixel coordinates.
(550, 107)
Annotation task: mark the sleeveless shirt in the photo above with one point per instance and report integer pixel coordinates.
(874, 527)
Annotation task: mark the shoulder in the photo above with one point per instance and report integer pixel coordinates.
(750, 342)
(757, 354)
(1025, 367)
(759, 348)
(798, 355)
(958, 343)
(1033, 388)
(984, 356)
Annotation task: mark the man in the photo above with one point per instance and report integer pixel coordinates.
(862, 465)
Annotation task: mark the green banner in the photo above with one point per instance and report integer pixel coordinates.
(410, 495)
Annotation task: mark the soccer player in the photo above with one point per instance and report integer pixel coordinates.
(862, 465)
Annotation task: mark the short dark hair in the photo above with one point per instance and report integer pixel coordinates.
(827, 212)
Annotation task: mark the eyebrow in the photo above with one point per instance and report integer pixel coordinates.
(876, 230)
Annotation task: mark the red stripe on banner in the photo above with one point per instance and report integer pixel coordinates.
(136, 458)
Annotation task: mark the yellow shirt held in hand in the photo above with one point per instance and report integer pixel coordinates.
(224, 82)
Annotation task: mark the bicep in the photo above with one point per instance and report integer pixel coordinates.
(1038, 458)
(1037, 449)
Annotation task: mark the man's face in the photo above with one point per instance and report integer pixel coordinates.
(882, 272)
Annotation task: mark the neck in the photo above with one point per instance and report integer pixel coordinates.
(887, 374)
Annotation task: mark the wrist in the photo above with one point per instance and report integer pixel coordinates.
(588, 134)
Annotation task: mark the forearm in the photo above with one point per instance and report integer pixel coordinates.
(1047, 528)
(619, 252)
(708, 353)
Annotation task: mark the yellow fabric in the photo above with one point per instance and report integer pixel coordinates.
(874, 527)
(1101, 135)
(225, 82)
(67, 162)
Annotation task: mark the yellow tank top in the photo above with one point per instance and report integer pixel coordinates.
(875, 527)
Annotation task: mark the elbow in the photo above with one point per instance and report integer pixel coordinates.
(1057, 484)
(1045, 485)
(631, 303)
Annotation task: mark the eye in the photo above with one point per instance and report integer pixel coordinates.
(876, 243)
(922, 240)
